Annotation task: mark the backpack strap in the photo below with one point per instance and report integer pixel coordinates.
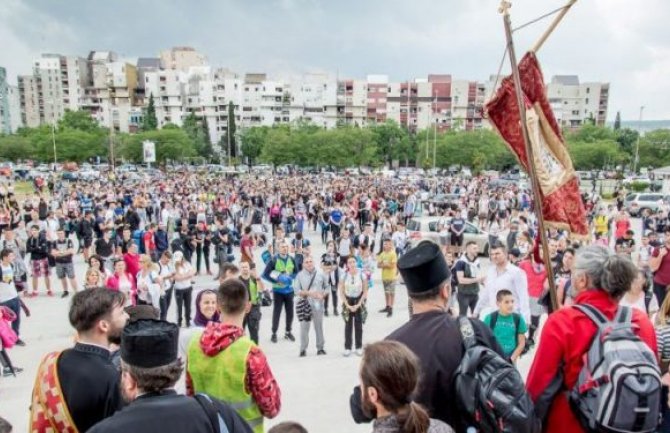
(467, 332)
(648, 295)
(592, 313)
(215, 419)
(493, 321)
(623, 315)
(517, 324)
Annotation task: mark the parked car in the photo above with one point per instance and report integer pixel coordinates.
(636, 203)
(426, 229)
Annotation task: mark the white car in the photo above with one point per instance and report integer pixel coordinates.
(426, 228)
(89, 174)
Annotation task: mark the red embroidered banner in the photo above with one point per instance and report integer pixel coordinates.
(562, 205)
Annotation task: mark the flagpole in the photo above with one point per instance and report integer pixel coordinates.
(552, 26)
(504, 9)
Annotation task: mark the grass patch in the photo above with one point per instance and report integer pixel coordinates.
(23, 188)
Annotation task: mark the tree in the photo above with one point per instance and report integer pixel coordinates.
(617, 121)
(253, 142)
(227, 141)
(150, 121)
(80, 120)
(655, 148)
(198, 131)
(627, 138)
(16, 147)
(589, 155)
(392, 141)
(172, 143)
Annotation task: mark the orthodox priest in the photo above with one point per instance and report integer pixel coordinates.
(150, 368)
(76, 388)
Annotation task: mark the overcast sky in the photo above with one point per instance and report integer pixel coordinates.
(622, 42)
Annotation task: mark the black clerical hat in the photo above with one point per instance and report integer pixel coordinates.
(149, 343)
(423, 267)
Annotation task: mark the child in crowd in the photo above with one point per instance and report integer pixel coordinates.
(508, 327)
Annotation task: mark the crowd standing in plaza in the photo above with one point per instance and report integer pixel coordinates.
(144, 242)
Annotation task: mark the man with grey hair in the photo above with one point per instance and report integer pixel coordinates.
(311, 287)
(150, 368)
(599, 280)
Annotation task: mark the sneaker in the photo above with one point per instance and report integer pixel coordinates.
(347, 353)
(33, 295)
(336, 313)
(321, 352)
(303, 353)
(359, 352)
(20, 342)
(49, 293)
(390, 312)
(325, 313)
(289, 336)
(6, 371)
(274, 338)
(65, 294)
(384, 310)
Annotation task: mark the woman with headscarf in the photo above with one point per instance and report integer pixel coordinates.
(599, 279)
(206, 310)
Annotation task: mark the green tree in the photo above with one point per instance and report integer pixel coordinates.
(80, 120)
(392, 142)
(595, 154)
(617, 121)
(150, 121)
(16, 147)
(627, 138)
(253, 142)
(198, 131)
(172, 143)
(227, 141)
(655, 148)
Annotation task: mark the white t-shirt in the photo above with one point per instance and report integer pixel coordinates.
(7, 288)
(183, 269)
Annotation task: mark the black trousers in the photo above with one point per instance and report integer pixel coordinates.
(354, 323)
(183, 298)
(336, 231)
(165, 302)
(252, 321)
(202, 252)
(333, 296)
(466, 301)
(282, 300)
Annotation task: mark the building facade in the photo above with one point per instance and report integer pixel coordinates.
(116, 92)
(575, 103)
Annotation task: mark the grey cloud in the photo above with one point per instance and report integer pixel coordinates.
(600, 40)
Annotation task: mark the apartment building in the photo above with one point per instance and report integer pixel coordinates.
(182, 58)
(576, 103)
(10, 107)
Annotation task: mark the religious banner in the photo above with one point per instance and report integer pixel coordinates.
(562, 205)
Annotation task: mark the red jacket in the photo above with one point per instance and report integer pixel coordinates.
(535, 278)
(566, 337)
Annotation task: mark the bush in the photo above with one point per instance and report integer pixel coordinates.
(639, 186)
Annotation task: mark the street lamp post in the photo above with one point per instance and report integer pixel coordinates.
(637, 145)
(437, 119)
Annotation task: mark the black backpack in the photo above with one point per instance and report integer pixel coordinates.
(491, 393)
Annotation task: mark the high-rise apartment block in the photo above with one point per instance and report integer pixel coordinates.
(115, 91)
(10, 109)
(576, 103)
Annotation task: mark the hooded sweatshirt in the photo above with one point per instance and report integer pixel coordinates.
(260, 382)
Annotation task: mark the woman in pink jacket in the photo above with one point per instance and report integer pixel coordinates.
(122, 281)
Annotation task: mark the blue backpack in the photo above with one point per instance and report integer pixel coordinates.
(138, 238)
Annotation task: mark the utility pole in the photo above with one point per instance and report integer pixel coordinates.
(437, 119)
(637, 145)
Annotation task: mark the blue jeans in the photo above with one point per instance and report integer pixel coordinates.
(15, 306)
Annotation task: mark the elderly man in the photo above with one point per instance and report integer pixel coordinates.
(311, 286)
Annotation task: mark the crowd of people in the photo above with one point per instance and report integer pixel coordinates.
(144, 244)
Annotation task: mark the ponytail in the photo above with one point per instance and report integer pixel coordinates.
(414, 420)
